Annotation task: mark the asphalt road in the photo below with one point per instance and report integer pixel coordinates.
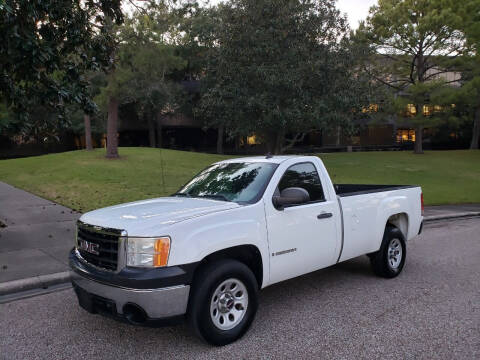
(431, 311)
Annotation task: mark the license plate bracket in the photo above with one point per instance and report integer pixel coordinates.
(93, 303)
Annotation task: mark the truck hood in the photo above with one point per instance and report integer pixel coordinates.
(141, 218)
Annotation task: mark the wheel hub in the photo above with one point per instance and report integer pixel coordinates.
(225, 302)
(394, 253)
(229, 304)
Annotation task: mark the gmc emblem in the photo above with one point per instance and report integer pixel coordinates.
(88, 246)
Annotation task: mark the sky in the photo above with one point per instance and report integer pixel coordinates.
(356, 10)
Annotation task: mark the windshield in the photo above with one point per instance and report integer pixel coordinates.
(239, 182)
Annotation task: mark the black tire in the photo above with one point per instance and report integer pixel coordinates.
(382, 260)
(207, 280)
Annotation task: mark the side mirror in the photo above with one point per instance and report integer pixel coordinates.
(290, 196)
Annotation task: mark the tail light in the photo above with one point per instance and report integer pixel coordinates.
(423, 206)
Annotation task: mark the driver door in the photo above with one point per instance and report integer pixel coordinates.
(302, 237)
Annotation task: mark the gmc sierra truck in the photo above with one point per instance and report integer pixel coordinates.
(240, 225)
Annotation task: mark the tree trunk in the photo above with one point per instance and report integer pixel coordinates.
(476, 130)
(337, 140)
(237, 143)
(88, 132)
(151, 131)
(275, 140)
(159, 134)
(418, 140)
(245, 145)
(418, 148)
(221, 129)
(279, 140)
(112, 128)
(271, 140)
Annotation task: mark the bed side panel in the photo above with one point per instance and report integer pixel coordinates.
(366, 215)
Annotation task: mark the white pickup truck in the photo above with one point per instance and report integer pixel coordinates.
(238, 226)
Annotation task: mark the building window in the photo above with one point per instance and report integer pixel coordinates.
(370, 108)
(252, 140)
(427, 110)
(355, 140)
(405, 135)
(411, 110)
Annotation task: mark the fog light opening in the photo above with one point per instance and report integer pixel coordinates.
(134, 314)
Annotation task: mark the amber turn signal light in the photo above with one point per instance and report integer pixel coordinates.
(162, 250)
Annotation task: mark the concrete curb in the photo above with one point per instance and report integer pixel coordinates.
(36, 282)
(452, 216)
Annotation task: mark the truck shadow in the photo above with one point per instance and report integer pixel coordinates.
(288, 303)
(331, 279)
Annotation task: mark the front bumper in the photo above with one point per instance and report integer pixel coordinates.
(160, 294)
(157, 304)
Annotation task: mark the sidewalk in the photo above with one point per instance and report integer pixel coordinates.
(448, 210)
(38, 235)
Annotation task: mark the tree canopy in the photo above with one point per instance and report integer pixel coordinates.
(46, 47)
(145, 60)
(469, 94)
(279, 67)
(413, 42)
(276, 69)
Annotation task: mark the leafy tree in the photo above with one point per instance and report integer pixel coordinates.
(76, 117)
(197, 26)
(145, 59)
(7, 120)
(279, 68)
(46, 47)
(461, 105)
(81, 122)
(471, 93)
(413, 42)
(470, 14)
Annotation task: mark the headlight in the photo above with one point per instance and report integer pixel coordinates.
(148, 252)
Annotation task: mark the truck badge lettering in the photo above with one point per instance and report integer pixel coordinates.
(88, 246)
(284, 252)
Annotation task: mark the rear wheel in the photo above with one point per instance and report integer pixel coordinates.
(223, 301)
(389, 261)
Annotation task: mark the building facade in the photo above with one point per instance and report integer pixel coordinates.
(181, 131)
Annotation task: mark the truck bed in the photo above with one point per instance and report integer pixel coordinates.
(343, 190)
(366, 209)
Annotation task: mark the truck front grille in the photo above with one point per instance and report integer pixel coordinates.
(98, 246)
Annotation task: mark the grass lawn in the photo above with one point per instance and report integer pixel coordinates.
(87, 180)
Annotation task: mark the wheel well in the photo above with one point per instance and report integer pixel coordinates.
(247, 254)
(400, 221)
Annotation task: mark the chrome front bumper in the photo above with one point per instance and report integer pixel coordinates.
(157, 303)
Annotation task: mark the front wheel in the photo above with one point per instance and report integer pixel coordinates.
(223, 302)
(388, 262)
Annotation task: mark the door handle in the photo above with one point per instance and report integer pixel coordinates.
(324, 215)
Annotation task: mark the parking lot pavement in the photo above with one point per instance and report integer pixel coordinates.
(431, 311)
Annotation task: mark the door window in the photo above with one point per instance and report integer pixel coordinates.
(304, 176)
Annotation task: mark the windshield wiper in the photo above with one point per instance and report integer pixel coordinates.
(215, 197)
(208, 196)
(181, 194)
